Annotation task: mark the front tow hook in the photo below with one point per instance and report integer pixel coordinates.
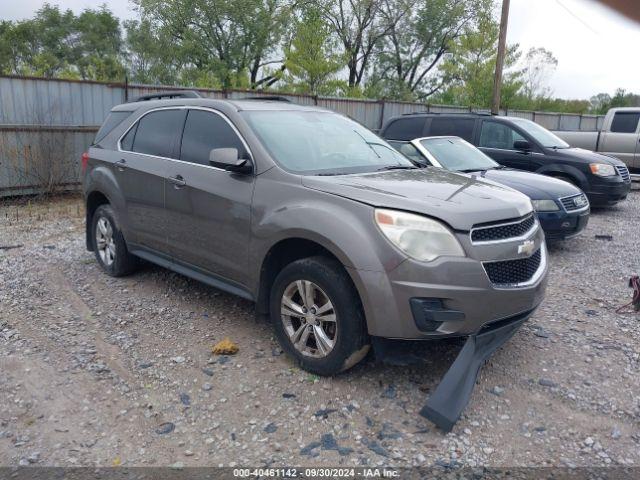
(452, 395)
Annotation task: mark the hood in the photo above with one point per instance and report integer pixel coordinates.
(587, 156)
(535, 186)
(456, 199)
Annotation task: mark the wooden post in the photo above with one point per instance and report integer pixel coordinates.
(502, 49)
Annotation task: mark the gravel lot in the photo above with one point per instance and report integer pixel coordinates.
(103, 371)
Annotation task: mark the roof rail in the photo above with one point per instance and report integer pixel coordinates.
(169, 95)
(472, 112)
(271, 98)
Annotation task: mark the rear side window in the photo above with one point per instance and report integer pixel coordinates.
(460, 127)
(405, 128)
(112, 121)
(204, 131)
(157, 131)
(625, 122)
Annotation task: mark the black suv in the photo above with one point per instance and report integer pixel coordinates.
(525, 145)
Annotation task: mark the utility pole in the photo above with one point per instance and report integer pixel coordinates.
(502, 49)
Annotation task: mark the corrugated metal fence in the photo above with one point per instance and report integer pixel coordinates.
(46, 124)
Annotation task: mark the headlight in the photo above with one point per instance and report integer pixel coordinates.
(545, 205)
(419, 237)
(602, 169)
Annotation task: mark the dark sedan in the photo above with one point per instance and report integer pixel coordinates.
(563, 209)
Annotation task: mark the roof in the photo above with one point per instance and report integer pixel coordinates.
(239, 105)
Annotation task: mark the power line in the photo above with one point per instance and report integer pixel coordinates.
(577, 17)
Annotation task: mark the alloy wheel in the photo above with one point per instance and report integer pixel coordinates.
(104, 241)
(309, 318)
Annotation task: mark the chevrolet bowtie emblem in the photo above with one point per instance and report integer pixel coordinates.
(527, 247)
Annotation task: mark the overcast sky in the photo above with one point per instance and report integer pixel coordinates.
(597, 49)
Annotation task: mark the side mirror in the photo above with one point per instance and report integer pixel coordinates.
(228, 159)
(522, 145)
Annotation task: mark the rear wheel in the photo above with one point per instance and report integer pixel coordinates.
(108, 244)
(317, 316)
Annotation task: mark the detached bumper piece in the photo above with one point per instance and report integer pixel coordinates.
(452, 395)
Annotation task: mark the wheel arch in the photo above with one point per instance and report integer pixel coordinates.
(558, 170)
(94, 199)
(286, 251)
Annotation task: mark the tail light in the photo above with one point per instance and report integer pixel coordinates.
(85, 161)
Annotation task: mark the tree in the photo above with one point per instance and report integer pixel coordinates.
(419, 35)
(311, 59)
(469, 72)
(539, 65)
(226, 40)
(97, 45)
(151, 57)
(59, 44)
(359, 26)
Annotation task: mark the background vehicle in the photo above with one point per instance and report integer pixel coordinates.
(274, 202)
(525, 145)
(619, 137)
(563, 209)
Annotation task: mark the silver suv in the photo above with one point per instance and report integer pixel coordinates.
(329, 230)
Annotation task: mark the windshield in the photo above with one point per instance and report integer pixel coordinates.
(455, 154)
(541, 134)
(322, 143)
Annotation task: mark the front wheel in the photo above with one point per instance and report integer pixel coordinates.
(318, 317)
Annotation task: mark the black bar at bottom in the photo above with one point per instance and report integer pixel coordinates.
(452, 395)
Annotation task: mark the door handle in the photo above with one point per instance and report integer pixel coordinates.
(178, 181)
(121, 164)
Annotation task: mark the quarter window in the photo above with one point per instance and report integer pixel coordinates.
(156, 133)
(204, 131)
(112, 121)
(127, 141)
(625, 122)
(498, 135)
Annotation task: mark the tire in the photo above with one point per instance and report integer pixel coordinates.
(109, 246)
(347, 334)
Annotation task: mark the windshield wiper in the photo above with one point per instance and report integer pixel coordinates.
(396, 167)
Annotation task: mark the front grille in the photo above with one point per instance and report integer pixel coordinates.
(511, 272)
(504, 231)
(624, 173)
(575, 202)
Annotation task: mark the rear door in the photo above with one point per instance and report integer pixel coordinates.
(209, 209)
(622, 139)
(497, 140)
(141, 170)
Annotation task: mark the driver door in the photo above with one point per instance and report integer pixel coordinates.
(497, 140)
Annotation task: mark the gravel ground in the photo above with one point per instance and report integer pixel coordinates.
(102, 371)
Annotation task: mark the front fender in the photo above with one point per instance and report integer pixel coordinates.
(555, 169)
(347, 230)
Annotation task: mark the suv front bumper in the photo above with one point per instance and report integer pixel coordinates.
(607, 191)
(457, 290)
